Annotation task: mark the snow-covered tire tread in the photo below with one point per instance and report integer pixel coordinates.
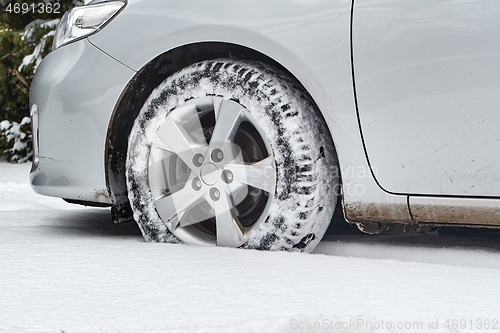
(306, 162)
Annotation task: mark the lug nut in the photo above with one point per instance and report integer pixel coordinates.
(198, 160)
(217, 155)
(214, 194)
(196, 184)
(227, 176)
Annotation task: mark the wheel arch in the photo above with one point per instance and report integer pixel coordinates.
(138, 90)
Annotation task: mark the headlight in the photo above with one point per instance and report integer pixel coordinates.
(83, 21)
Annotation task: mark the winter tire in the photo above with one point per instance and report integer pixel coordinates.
(232, 153)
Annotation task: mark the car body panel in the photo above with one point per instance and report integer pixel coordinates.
(428, 94)
(462, 211)
(75, 95)
(295, 38)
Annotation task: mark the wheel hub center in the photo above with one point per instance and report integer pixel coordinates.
(209, 174)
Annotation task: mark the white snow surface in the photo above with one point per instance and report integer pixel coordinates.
(67, 268)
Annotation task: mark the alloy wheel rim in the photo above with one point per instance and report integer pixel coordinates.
(211, 172)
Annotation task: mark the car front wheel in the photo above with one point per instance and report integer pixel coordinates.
(232, 153)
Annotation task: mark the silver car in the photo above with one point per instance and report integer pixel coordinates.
(244, 123)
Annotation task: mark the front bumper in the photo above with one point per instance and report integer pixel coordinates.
(72, 98)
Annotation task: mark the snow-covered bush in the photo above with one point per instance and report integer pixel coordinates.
(17, 137)
(39, 33)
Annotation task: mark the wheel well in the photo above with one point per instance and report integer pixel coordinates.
(134, 96)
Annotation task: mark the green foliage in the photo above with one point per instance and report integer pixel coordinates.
(24, 40)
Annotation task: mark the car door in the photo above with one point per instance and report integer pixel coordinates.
(427, 82)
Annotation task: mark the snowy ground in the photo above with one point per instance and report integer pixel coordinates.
(65, 268)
